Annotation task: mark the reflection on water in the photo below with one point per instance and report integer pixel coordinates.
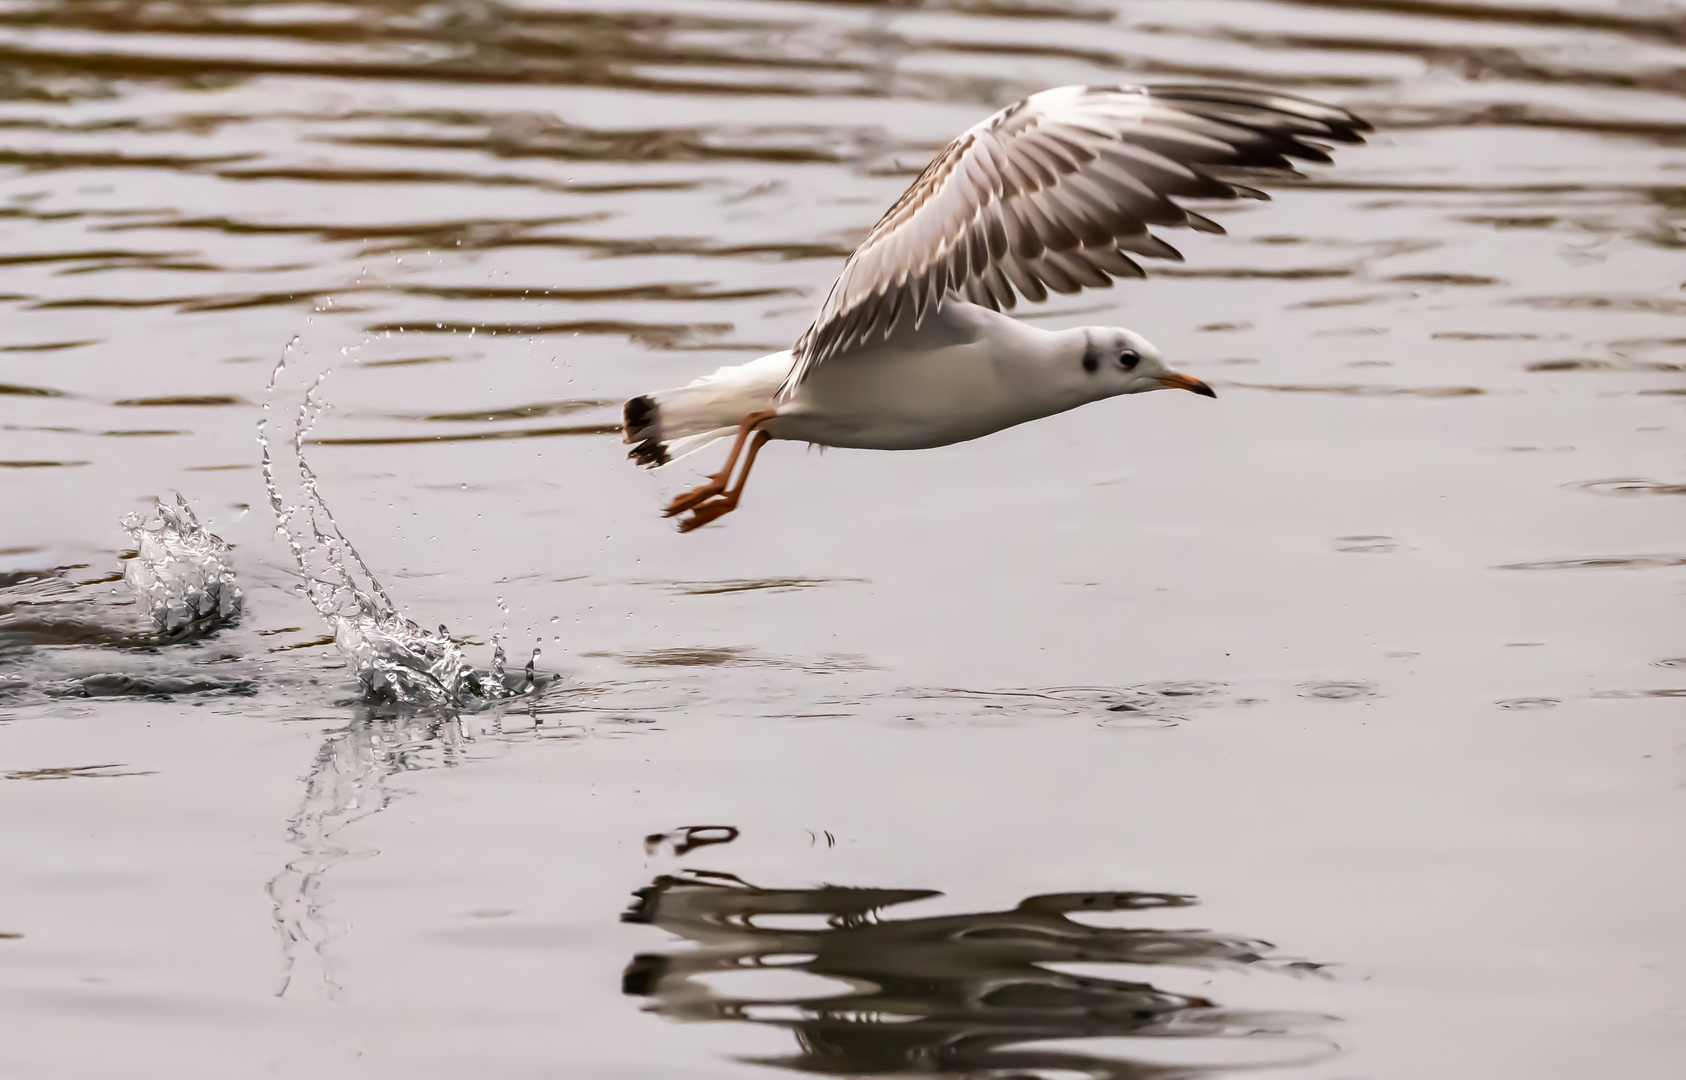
(350, 781)
(942, 995)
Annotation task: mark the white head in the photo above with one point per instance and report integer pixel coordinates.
(1117, 361)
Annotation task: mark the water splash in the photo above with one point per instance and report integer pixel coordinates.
(65, 632)
(395, 659)
(181, 572)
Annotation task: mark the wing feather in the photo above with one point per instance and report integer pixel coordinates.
(1022, 236)
(1051, 192)
(993, 232)
(1053, 275)
(1202, 223)
(1017, 271)
(1145, 243)
(1000, 290)
(1079, 269)
(1115, 262)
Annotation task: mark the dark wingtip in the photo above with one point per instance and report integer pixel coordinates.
(1340, 124)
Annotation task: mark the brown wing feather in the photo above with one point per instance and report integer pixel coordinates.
(1050, 192)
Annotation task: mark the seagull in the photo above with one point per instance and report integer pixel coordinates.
(1056, 192)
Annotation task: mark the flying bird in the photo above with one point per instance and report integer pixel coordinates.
(1056, 192)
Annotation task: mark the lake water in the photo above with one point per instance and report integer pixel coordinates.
(1333, 728)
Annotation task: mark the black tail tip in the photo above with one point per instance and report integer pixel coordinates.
(641, 426)
(638, 412)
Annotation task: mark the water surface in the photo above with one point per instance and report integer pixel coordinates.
(1332, 726)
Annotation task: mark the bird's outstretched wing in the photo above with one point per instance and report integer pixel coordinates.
(1056, 192)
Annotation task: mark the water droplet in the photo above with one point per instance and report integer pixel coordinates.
(1338, 690)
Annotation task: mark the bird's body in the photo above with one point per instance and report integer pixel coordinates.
(910, 349)
(965, 372)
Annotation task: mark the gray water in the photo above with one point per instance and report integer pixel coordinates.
(1331, 728)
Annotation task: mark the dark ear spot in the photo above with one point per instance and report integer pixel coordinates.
(1091, 356)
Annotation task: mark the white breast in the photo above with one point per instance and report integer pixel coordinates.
(965, 373)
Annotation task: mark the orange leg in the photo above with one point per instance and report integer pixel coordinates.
(717, 483)
(726, 503)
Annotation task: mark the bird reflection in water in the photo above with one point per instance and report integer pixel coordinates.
(943, 995)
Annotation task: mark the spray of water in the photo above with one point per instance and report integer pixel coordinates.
(394, 659)
(63, 635)
(181, 572)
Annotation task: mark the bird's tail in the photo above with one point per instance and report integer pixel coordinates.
(669, 424)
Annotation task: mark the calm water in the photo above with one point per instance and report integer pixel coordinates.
(1333, 726)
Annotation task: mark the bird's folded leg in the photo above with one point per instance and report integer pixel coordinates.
(711, 509)
(717, 483)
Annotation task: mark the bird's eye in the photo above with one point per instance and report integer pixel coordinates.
(1129, 358)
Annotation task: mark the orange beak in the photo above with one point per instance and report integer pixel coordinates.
(1185, 382)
